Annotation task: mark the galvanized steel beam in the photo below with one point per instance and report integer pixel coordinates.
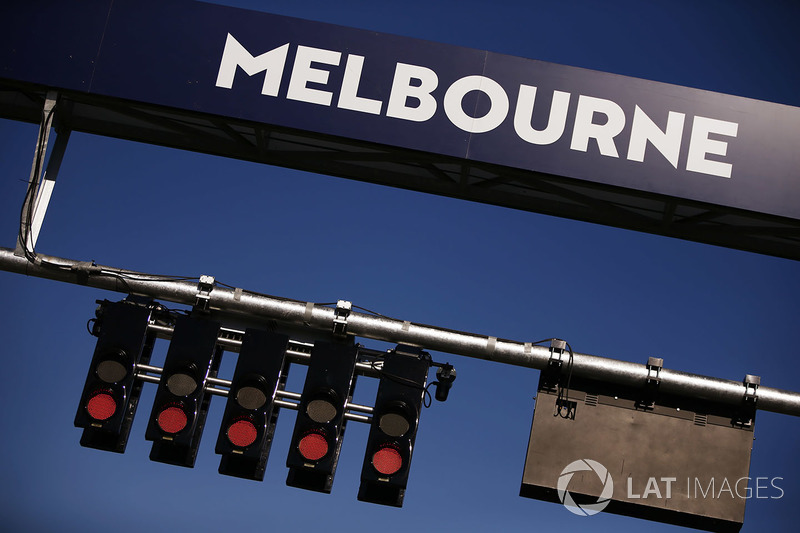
(254, 306)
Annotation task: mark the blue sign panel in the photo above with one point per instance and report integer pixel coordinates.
(463, 103)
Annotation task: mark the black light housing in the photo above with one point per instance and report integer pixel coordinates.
(181, 403)
(248, 423)
(395, 420)
(319, 429)
(111, 392)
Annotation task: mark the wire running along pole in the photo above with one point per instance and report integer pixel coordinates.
(257, 306)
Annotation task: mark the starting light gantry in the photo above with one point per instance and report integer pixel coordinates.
(655, 396)
(127, 331)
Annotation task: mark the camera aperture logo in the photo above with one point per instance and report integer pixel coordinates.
(585, 509)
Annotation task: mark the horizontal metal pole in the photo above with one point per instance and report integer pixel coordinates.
(261, 307)
(232, 341)
(143, 373)
(348, 415)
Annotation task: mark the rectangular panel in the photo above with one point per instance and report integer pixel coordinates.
(678, 461)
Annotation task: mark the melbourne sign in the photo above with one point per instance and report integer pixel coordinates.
(410, 97)
(468, 104)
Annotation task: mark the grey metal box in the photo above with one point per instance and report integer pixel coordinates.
(673, 460)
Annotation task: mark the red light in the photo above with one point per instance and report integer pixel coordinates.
(387, 460)
(313, 446)
(242, 433)
(172, 419)
(101, 406)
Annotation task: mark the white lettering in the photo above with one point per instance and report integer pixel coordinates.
(498, 107)
(759, 486)
(747, 490)
(725, 487)
(669, 481)
(402, 91)
(630, 490)
(303, 73)
(235, 55)
(772, 482)
(411, 98)
(524, 115)
(700, 146)
(651, 488)
(348, 98)
(705, 493)
(586, 128)
(667, 142)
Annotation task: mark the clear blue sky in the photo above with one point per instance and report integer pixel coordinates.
(468, 266)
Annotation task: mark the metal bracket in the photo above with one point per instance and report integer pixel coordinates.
(654, 366)
(557, 348)
(204, 288)
(340, 316)
(651, 383)
(748, 411)
(42, 180)
(751, 384)
(551, 374)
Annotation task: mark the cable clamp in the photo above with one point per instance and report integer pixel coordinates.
(340, 316)
(204, 288)
(747, 413)
(551, 374)
(647, 399)
(751, 384)
(557, 349)
(654, 366)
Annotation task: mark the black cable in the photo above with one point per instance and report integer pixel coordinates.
(544, 341)
(255, 293)
(161, 279)
(562, 397)
(426, 395)
(26, 219)
(571, 362)
(396, 379)
(368, 311)
(120, 278)
(27, 209)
